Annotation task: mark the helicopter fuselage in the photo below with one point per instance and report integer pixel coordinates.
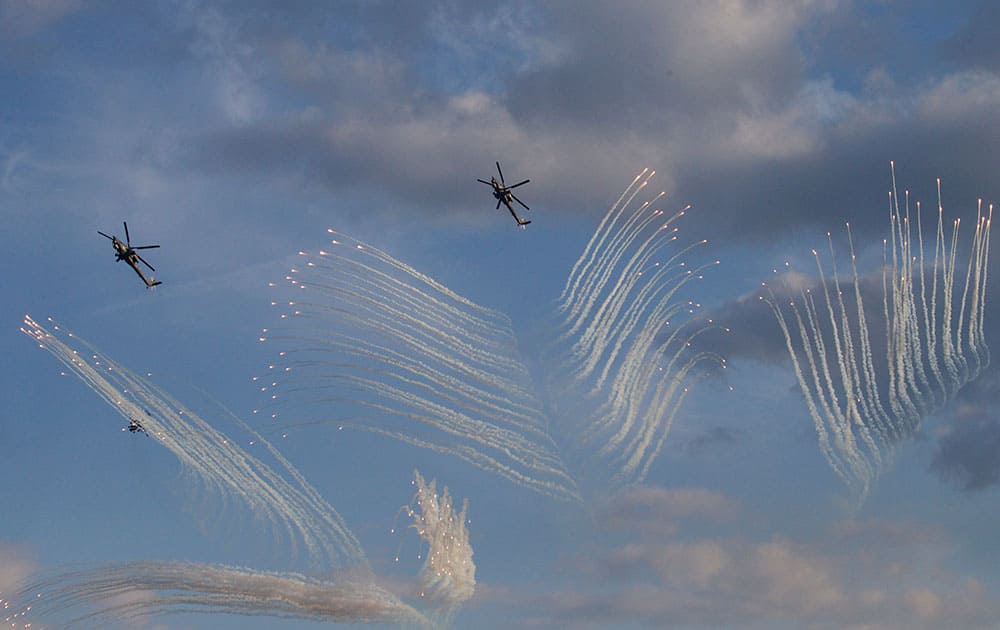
(125, 251)
(504, 194)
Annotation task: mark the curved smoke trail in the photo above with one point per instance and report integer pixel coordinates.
(373, 338)
(626, 337)
(398, 354)
(934, 346)
(136, 590)
(294, 509)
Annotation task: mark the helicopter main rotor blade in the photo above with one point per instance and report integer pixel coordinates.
(501, 174)
(482, 181)
(520, 202)
(520, 184)
(147, 247)
(128, 241)
(105, 235)
(144, 262)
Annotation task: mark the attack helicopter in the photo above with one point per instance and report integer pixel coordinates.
(135, 427)
(504, 195)
(125, 251)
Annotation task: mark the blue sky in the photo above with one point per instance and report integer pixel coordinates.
(235, 134)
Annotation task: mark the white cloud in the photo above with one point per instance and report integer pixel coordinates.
(924, 603)
(705, 571)
(788, 577)
(960, 97)
(743, 43)
(657, 510)
(231, 64)
(699, 564)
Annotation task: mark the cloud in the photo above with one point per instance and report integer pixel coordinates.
(745, 109)
(960, 97)
(969, 452)
(968, 447)
(974, 44)
(15, 566)
(712, 583)
(663, 509)
(374, 118)
(712, 438)
(229, 62)
(756, 334)
(654, 59)
(709, 571)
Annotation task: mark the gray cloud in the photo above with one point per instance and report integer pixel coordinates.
(724, 99)
(756, 334)
(968, 447)
(747, 109)
(651, 62)
(969, 454)
(713, 438)
(975, 42)
(656, 511)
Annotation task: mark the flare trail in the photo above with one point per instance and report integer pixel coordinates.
(934, 341)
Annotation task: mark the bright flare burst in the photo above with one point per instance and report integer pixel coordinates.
(934, 341)
(448, 576)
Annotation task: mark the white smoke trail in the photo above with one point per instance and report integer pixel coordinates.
(136, 590)
(370, 336)
(447, 578)
(295, 510)
(625, 338)
(819, 419)
(568, 296)
(930, 353)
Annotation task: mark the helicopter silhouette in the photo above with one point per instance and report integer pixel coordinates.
(125, 251)
(505, 196)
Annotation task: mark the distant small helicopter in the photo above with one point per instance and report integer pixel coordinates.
(125, 251)
(504, 196)
(134, 427)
